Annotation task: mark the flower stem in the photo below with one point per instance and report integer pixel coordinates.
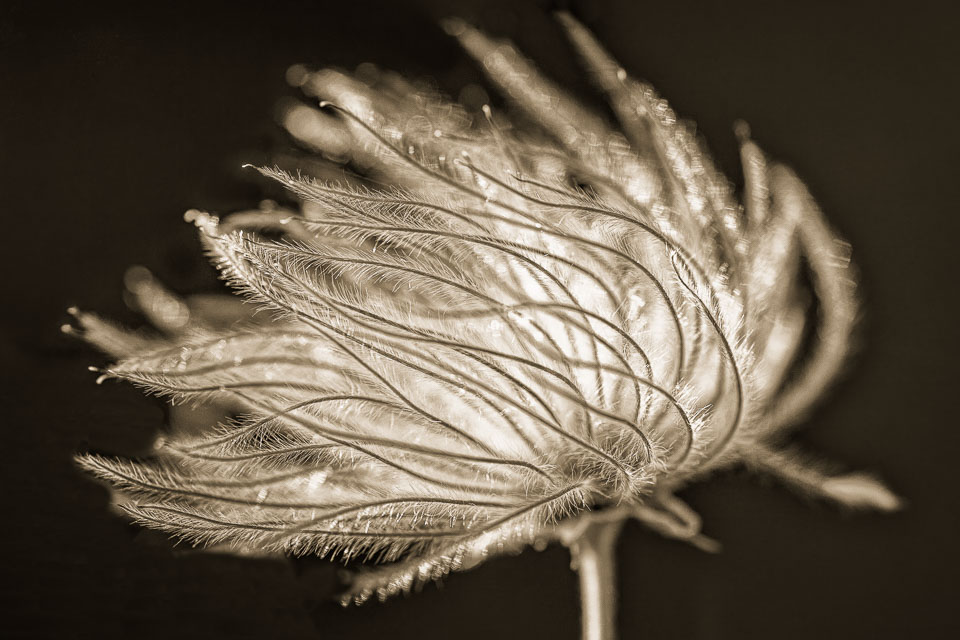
(593, 558)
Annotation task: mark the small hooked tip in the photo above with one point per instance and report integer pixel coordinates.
(453, 26)
(862, 491)
(203, 221)
(741, 129)
(68, 328)
(297, 75)
(705, 543)
(104, 373)
(138, 277)
(573, 26)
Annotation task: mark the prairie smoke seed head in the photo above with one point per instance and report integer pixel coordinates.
(511, 330)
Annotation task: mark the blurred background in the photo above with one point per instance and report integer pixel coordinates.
(116, 119)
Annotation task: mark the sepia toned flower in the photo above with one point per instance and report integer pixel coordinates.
(490, 333)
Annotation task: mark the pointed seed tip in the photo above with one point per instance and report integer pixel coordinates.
(706, 544)
(136, 278)
(888, 501)
(863, 491)
(742, 130)
(203, 221)
(297, 75)
(453, 25)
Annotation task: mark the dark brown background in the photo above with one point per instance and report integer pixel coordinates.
(114, 120)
